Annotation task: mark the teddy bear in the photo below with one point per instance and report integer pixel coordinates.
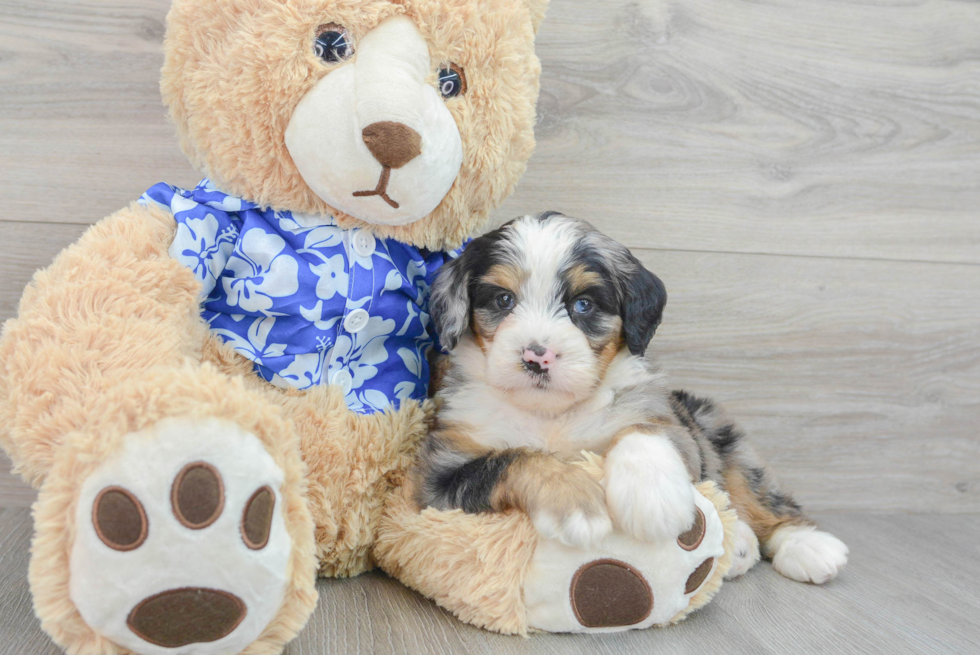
(217, 389)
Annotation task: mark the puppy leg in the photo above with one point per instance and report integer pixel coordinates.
(563, 501)
(648, 486)
(796, 547)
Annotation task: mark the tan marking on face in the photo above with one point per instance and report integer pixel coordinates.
(506, 276)
(481, 332)
(580, 278)
(746, 502)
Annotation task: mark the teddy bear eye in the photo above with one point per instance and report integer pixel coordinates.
(333, 43)
(452, 81)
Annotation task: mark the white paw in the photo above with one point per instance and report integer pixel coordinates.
(806, 554)
(648, 490)
(575, 529)
(746, 553)
(181, 541)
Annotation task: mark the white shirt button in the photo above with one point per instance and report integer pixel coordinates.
(356, 321)
(364, 243)
(343, 379)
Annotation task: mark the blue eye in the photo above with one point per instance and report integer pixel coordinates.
(452, 82)
(333, 43)
(505, 301)
(582, 306)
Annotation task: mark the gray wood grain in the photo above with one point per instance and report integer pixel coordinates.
(786, 126)
(902, 592)
(845, 128)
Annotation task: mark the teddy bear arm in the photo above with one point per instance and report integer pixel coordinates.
(110, 306)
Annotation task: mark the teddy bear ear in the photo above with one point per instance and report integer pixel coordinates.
(538, 9)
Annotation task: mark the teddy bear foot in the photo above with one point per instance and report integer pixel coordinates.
(623, 583)
(181, 543)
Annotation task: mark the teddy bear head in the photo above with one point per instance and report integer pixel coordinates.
(413, 117)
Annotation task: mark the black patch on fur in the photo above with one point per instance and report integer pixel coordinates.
(725, 439)
(693, 404)
(470, 486)
(781, 504)
(756, 479)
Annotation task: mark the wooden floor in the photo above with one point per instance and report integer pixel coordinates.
(804, 176)
(903, 592)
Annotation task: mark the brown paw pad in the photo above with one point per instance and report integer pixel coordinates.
(608, 593)
(257, 518)
(179, 617)
(197, 495)
(692, 538)
(697, 578)
(119, 519)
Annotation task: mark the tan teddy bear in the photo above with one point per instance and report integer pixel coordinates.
(215, 389)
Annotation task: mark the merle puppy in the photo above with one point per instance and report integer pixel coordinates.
(548, 321)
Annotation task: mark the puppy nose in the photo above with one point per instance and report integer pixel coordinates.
(538, 358)
(392, 144)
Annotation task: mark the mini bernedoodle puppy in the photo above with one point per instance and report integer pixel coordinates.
(548, 321)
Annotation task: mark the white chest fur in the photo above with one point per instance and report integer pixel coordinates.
(493, 420)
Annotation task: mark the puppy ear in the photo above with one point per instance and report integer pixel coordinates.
(644, 298)
(449, 304)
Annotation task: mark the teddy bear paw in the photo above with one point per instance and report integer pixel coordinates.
(181, 544)
(622, 582)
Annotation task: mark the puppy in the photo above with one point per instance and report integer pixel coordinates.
(548, 322)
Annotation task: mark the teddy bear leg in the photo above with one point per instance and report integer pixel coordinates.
(623, 583)
(176, 523)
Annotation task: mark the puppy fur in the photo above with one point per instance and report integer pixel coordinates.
(548, 322)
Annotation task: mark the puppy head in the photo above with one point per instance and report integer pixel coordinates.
(549, 301)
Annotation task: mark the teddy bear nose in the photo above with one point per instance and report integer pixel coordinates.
(392, 144)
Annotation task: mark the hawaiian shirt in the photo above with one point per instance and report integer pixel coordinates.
(307, 301)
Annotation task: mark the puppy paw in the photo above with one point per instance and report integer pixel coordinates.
(806, 554)
(746, 553)
(572, 511)
(648, 490)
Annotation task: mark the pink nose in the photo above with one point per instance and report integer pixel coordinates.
(537, 357)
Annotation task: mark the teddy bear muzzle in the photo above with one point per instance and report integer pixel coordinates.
(379, 114)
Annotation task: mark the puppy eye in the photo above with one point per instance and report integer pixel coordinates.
(333, 43)
(452, 81)
(582, 306)
(505, 301)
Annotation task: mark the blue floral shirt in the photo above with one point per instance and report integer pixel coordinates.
(309, 303)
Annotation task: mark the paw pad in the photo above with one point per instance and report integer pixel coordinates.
(119, 519)
(697, 578)
(198, 495)
(610, 593)
(180, 617)
(692, 538)
(257, 518)
(181, 540)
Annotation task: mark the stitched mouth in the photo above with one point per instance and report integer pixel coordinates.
(381, 190)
